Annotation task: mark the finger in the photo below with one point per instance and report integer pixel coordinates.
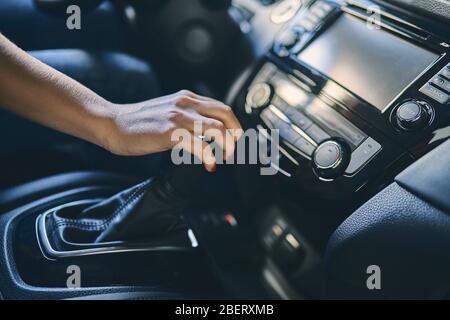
(222, 113)
(201, 150)
(212, 129)
(216, 110)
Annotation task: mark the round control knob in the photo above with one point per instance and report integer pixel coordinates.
(412, 115)
(259, 96)
(330, 159)
(288, 38)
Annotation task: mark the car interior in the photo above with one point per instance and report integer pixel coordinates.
(359, 93)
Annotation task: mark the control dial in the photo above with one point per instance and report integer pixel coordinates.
(412, 115)
(330, 159)
(259, 96)
(286, 40)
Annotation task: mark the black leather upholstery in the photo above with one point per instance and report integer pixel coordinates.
(405, 236)
(435, 8)
(402, 233)
(25, 193)
(429, 177)
(147, 213)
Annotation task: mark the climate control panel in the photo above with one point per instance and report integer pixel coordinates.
(308, 126)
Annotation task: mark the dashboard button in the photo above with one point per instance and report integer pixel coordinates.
(306, 23)
(441, 83)
(317, 134)
(366, 151)
(324, 5)
(304, 146)
(297, 117)
(334, 122)
(288, 133)
(271, 119)
(266, 72)
(320, 12)
(435, 93)
(445, 72)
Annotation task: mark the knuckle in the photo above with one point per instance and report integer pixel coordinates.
(185, 92)
(216, 125)
(227, 109)
(183, 101)
(176, 115)
(220, 126)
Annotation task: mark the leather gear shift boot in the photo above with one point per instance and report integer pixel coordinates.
(149, 213)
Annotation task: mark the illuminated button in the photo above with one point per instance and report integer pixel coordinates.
(441, 83)
(305, 146)
(268, 116)
(366, 151)
(288, 133)
(297, 117)
(306, 23)
(317, 134)
(445, 72)
(435, 93)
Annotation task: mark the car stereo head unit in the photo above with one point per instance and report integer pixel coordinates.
(351, 93)
(372, 63)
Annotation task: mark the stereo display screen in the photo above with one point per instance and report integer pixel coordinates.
(372, 63)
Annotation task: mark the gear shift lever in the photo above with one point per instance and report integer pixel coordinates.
(149, 214)
(151, 209)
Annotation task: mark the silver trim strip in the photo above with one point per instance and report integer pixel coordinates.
(51, 254)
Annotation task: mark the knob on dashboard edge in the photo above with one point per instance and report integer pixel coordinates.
(259, 96)
(330, 159)
(412, 115)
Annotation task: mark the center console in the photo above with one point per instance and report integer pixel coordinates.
(355, 92)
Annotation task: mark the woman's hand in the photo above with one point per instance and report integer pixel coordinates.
(42, 94)
(148, 127)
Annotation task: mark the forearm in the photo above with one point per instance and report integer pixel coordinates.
(40, 93)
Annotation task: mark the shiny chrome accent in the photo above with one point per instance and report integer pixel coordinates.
(335, 164)
(250, 104)
(110, 247)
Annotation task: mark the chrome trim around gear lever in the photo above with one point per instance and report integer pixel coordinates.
(103, 248)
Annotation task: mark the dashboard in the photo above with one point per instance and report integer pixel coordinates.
(354, 91)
